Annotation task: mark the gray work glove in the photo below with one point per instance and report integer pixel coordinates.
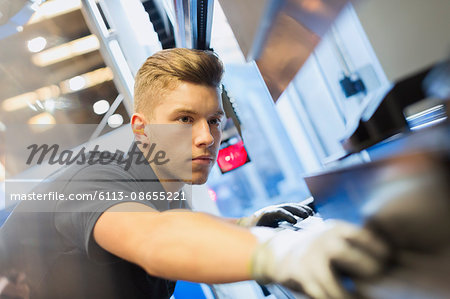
(270, 216)
(309, 261)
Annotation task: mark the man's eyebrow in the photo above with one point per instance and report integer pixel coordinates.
(219, 113)
(186, 111)
(193, 112)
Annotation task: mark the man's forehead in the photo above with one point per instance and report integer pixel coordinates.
(180, 84)
(191, 89)
(190, 97)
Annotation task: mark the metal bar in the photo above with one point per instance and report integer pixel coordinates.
(114, 58)
(209, 23)
(339, 49)
(193, 22)
(180, 29)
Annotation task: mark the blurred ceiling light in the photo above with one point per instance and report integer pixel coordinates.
(50, 9)
(66, 51)
(19, 101)
(42, 122)
(77, 83)
(115, 120)
(101, 107)
(29, 99)
(44, 118)
(313, 6)
(19, 28)
(36, 44)
(51, 91)
(90, 79)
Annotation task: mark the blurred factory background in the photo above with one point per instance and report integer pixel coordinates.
(311, 85)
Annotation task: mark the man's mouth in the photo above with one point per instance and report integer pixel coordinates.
(203, 160)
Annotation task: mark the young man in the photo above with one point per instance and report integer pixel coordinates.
(138, 248)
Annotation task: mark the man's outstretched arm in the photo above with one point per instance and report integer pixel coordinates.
(177, 244)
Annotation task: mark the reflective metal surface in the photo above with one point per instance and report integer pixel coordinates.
(280, 35)
(418, 101)
(407, 36)
(404, 196)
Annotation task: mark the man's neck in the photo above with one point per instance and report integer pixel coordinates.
(172, 186)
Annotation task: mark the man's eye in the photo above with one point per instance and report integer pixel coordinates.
(215, 121)
(185, 119)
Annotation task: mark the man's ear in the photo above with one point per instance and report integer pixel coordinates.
(138, 124)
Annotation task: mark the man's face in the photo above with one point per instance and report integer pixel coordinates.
(200, 107)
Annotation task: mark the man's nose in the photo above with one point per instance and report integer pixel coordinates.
(202, 135)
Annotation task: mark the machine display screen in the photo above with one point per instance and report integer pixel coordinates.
(232, 155)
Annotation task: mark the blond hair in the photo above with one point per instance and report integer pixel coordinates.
(164, 70)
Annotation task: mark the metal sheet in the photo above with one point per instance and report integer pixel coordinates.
(405, 197)
(280, 35)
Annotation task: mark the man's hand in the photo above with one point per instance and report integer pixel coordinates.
(311, 261)
(270, 216)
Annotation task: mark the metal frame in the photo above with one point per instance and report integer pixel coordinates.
(111, 52)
